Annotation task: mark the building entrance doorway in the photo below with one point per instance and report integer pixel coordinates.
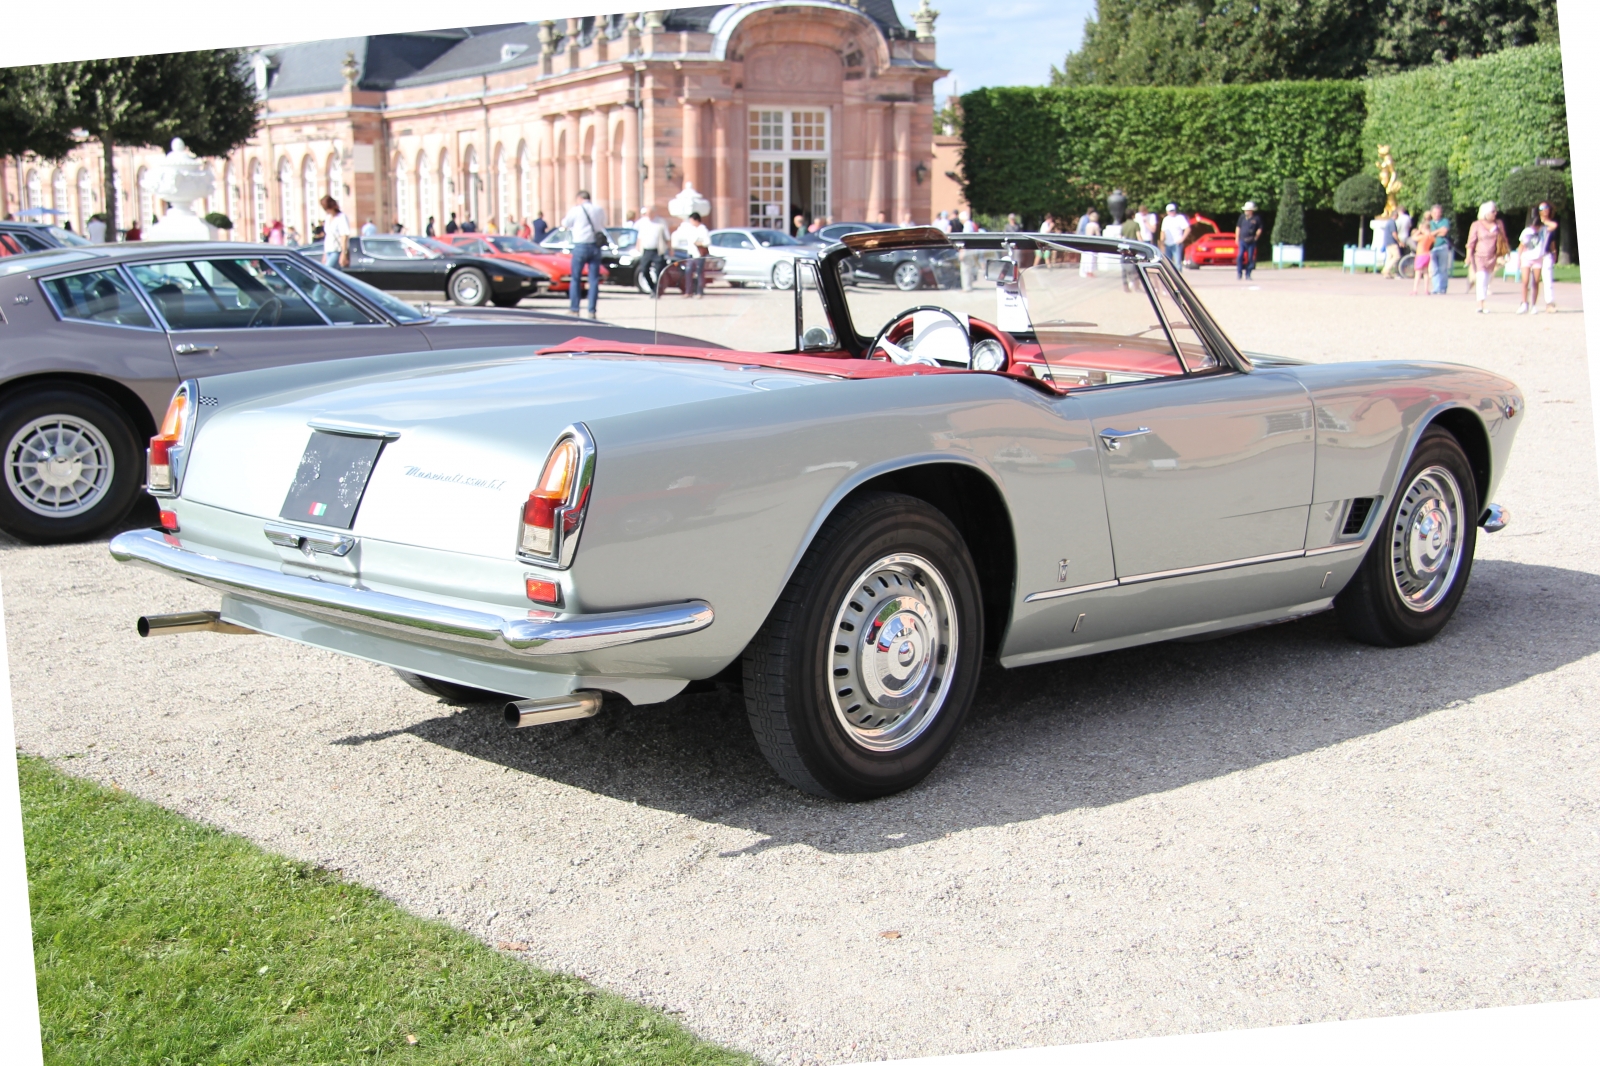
(789, 173)
(808, 189)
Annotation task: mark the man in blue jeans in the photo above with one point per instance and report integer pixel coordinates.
(587, 224)
(1443, 254)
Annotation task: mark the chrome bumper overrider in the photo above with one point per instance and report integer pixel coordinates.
(416, 620)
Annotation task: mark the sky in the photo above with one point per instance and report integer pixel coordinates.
(1002, 42)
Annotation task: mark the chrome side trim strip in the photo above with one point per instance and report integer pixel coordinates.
(352, 429)
(1333, 549)
(449, 628)
(1298, 553)
(1034, 597)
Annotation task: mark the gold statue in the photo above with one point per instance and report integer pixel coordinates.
(1390, 183)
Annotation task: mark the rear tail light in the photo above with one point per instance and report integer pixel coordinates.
(552, 517)
(165, 467)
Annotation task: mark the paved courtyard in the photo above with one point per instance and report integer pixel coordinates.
(1275, 827)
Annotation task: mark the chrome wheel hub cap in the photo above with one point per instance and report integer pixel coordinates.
(58, 466)
(893, 649)
(1426, 539)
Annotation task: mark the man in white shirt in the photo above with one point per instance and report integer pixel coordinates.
(1174, 231)
(652, 244)
(587, 224)
(693, 240)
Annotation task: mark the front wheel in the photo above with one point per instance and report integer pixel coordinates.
(469, 287)
(864, 671)
(1409, 584)
(783, 274)
(907, 277)
(72, 466)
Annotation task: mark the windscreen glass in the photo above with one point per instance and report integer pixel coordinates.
(1094, 320)
(692, 299)
(881, 286)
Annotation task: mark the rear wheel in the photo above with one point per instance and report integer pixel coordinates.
(859, 679)
(1421, 557)
(71, 465)
(907, 277)
(469, 287)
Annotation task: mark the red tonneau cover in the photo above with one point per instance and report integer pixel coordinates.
(839, 366)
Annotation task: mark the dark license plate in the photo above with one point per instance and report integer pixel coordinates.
(332, 476)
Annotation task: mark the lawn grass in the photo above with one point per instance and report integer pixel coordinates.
(160, 941)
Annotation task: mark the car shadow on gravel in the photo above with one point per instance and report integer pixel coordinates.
(1082, 733)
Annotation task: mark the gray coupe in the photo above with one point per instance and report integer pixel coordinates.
(843, 511)
(94, 339)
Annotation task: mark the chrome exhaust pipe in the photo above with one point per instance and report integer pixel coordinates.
(161, 625)
(580, 704)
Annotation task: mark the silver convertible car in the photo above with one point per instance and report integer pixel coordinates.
(842, 501)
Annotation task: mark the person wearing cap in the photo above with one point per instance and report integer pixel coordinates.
(1174, 231)
(1246, 232)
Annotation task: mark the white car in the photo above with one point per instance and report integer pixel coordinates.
(762, 256)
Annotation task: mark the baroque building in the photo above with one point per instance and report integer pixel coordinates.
(822, 108)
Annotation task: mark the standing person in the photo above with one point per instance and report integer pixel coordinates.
(1386, 240)
(525, 230)
(632, 221)
(1402, 227)
(941, 222)
(336, 235)
(1443, 250)
(652, 244)
(906, 220)
(883, 218)
(451, 226)
(799, 228)
(541, 228)
(275, 234)
(369, 228)
(1424, 261)
(1130, 230)
(1247, 234)
(587, 225)
(134, 232)
(428, 231)
(693, 241)
(470, 226)
(96, 229)
(1147, 224)
(967, 257)
(1013, 225)
(1552, 242)
(1486, 243)
(1530, 257)
(1174, 231)
(1089, 260)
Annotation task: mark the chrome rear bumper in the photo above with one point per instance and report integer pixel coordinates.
(414, 620)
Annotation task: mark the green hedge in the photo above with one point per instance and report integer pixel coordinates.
(1061, 150)
(1477, 117)
(1210, 148)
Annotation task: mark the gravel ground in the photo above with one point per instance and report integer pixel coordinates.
(1275, 827)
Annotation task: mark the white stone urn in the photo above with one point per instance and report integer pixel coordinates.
(687, 202)
(180, 179)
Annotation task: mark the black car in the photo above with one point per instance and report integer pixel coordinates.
(397, 263)
(19, 237)
(619, 261)
(93, 341)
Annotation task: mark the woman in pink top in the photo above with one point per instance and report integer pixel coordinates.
(1486, 243)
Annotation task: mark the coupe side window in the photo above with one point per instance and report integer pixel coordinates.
(223, 294)
(331, 301)
(726, 240)
(383, 249)
(102, 296)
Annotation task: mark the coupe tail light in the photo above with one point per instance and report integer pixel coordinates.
(553, 515)
(166, 447)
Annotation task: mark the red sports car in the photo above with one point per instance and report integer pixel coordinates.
(558, 265)
(1214, 249)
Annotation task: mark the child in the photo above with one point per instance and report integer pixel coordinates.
(1424, 259)
(1530, 259)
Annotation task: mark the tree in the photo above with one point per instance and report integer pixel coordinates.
(207, 98)
(29, 120)
(1209, 42)
(1359, 195)
(1439, 189)
(1290, 226)
(1527, 187)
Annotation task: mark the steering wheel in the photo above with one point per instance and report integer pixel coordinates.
(276, 307)
(904, 354)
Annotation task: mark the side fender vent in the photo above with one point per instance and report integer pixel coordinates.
(1355, 520)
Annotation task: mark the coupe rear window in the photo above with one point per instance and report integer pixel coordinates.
(514, 244)
(773, 238)
(102, 296)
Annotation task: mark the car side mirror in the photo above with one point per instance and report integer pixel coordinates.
(817, 338)
(1002, 270)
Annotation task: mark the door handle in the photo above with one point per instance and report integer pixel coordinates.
(1113, 438)
(193, 349)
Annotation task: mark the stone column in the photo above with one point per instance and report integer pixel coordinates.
(573, 122)
(691, 144)
(602, 165)
(547, 171)
(723, 204)
(630, 161)
(901, 116)
(875, 163)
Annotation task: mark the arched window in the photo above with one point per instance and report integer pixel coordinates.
(58, 196)
(525, 177)
(474, 185)
(402, 193)
(258, 199)
(85, 199)
(336, 178)
(502, 187)
(286, 192)
(427, 205)
(230, 193)
(309, 197)
(33, 191)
